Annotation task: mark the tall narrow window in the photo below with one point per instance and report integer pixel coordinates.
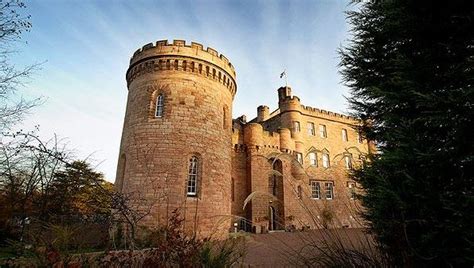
(344, 134)
(159, 106)
(325, 160)
(315, 190)
(322, 131)
(299, 191)
(232, 189)
(312, 159)
(329, 188)
(311, 130)
(352, 190)
(299, 158)
(348, 162)
(224, 118)
(296, 126)
(274, 185)
(191, 188)
(123, 166)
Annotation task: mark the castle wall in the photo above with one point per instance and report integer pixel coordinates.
(283, 141)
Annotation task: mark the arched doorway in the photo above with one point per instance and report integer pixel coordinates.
(276, 189)
(272, 225)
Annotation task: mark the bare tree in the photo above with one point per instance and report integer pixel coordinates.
(12, 24)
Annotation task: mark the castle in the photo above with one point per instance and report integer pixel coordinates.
(181, 149)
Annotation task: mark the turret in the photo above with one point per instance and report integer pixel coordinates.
(177, 135)
(263, 113)
(283, 93)
(290, 110)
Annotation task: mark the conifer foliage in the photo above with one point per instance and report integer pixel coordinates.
(410, 70)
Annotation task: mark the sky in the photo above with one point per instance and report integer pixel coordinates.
(85, 48)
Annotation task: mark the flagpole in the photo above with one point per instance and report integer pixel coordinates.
(286, 77)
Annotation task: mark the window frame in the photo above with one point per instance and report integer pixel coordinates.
(326, 160)
(329, 190)
(315, 188)
(193, 176)
(311, 129)
(311, 163)
(344, 135)
(159, 105)
(348, 162)
(296, 126)
(299, 157)
(323, 131)
(352, 189)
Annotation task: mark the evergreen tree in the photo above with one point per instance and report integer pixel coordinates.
(410, 69)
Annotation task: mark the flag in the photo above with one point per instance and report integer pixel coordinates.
(283, 74)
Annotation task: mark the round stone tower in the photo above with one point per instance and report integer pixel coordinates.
(175, 152)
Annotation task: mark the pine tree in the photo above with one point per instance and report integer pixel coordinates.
(410, 70)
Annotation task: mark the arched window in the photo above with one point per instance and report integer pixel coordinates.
(193, 176)
(159, 105)
(276, 180)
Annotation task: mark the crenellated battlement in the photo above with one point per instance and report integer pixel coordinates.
(179, 56)
(291, 98)
(325, 113)
(163, 46)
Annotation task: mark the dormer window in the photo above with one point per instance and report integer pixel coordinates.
(325, 160)
(313, 159)
(348, 162)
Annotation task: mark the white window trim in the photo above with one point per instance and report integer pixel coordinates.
(299, 158)
(326, 161)
(329, 190)
(193, 177)
(313, 161)
(317, 184)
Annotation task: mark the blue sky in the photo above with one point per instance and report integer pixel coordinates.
(86, 47)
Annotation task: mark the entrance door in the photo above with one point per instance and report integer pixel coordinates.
(272, 223)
